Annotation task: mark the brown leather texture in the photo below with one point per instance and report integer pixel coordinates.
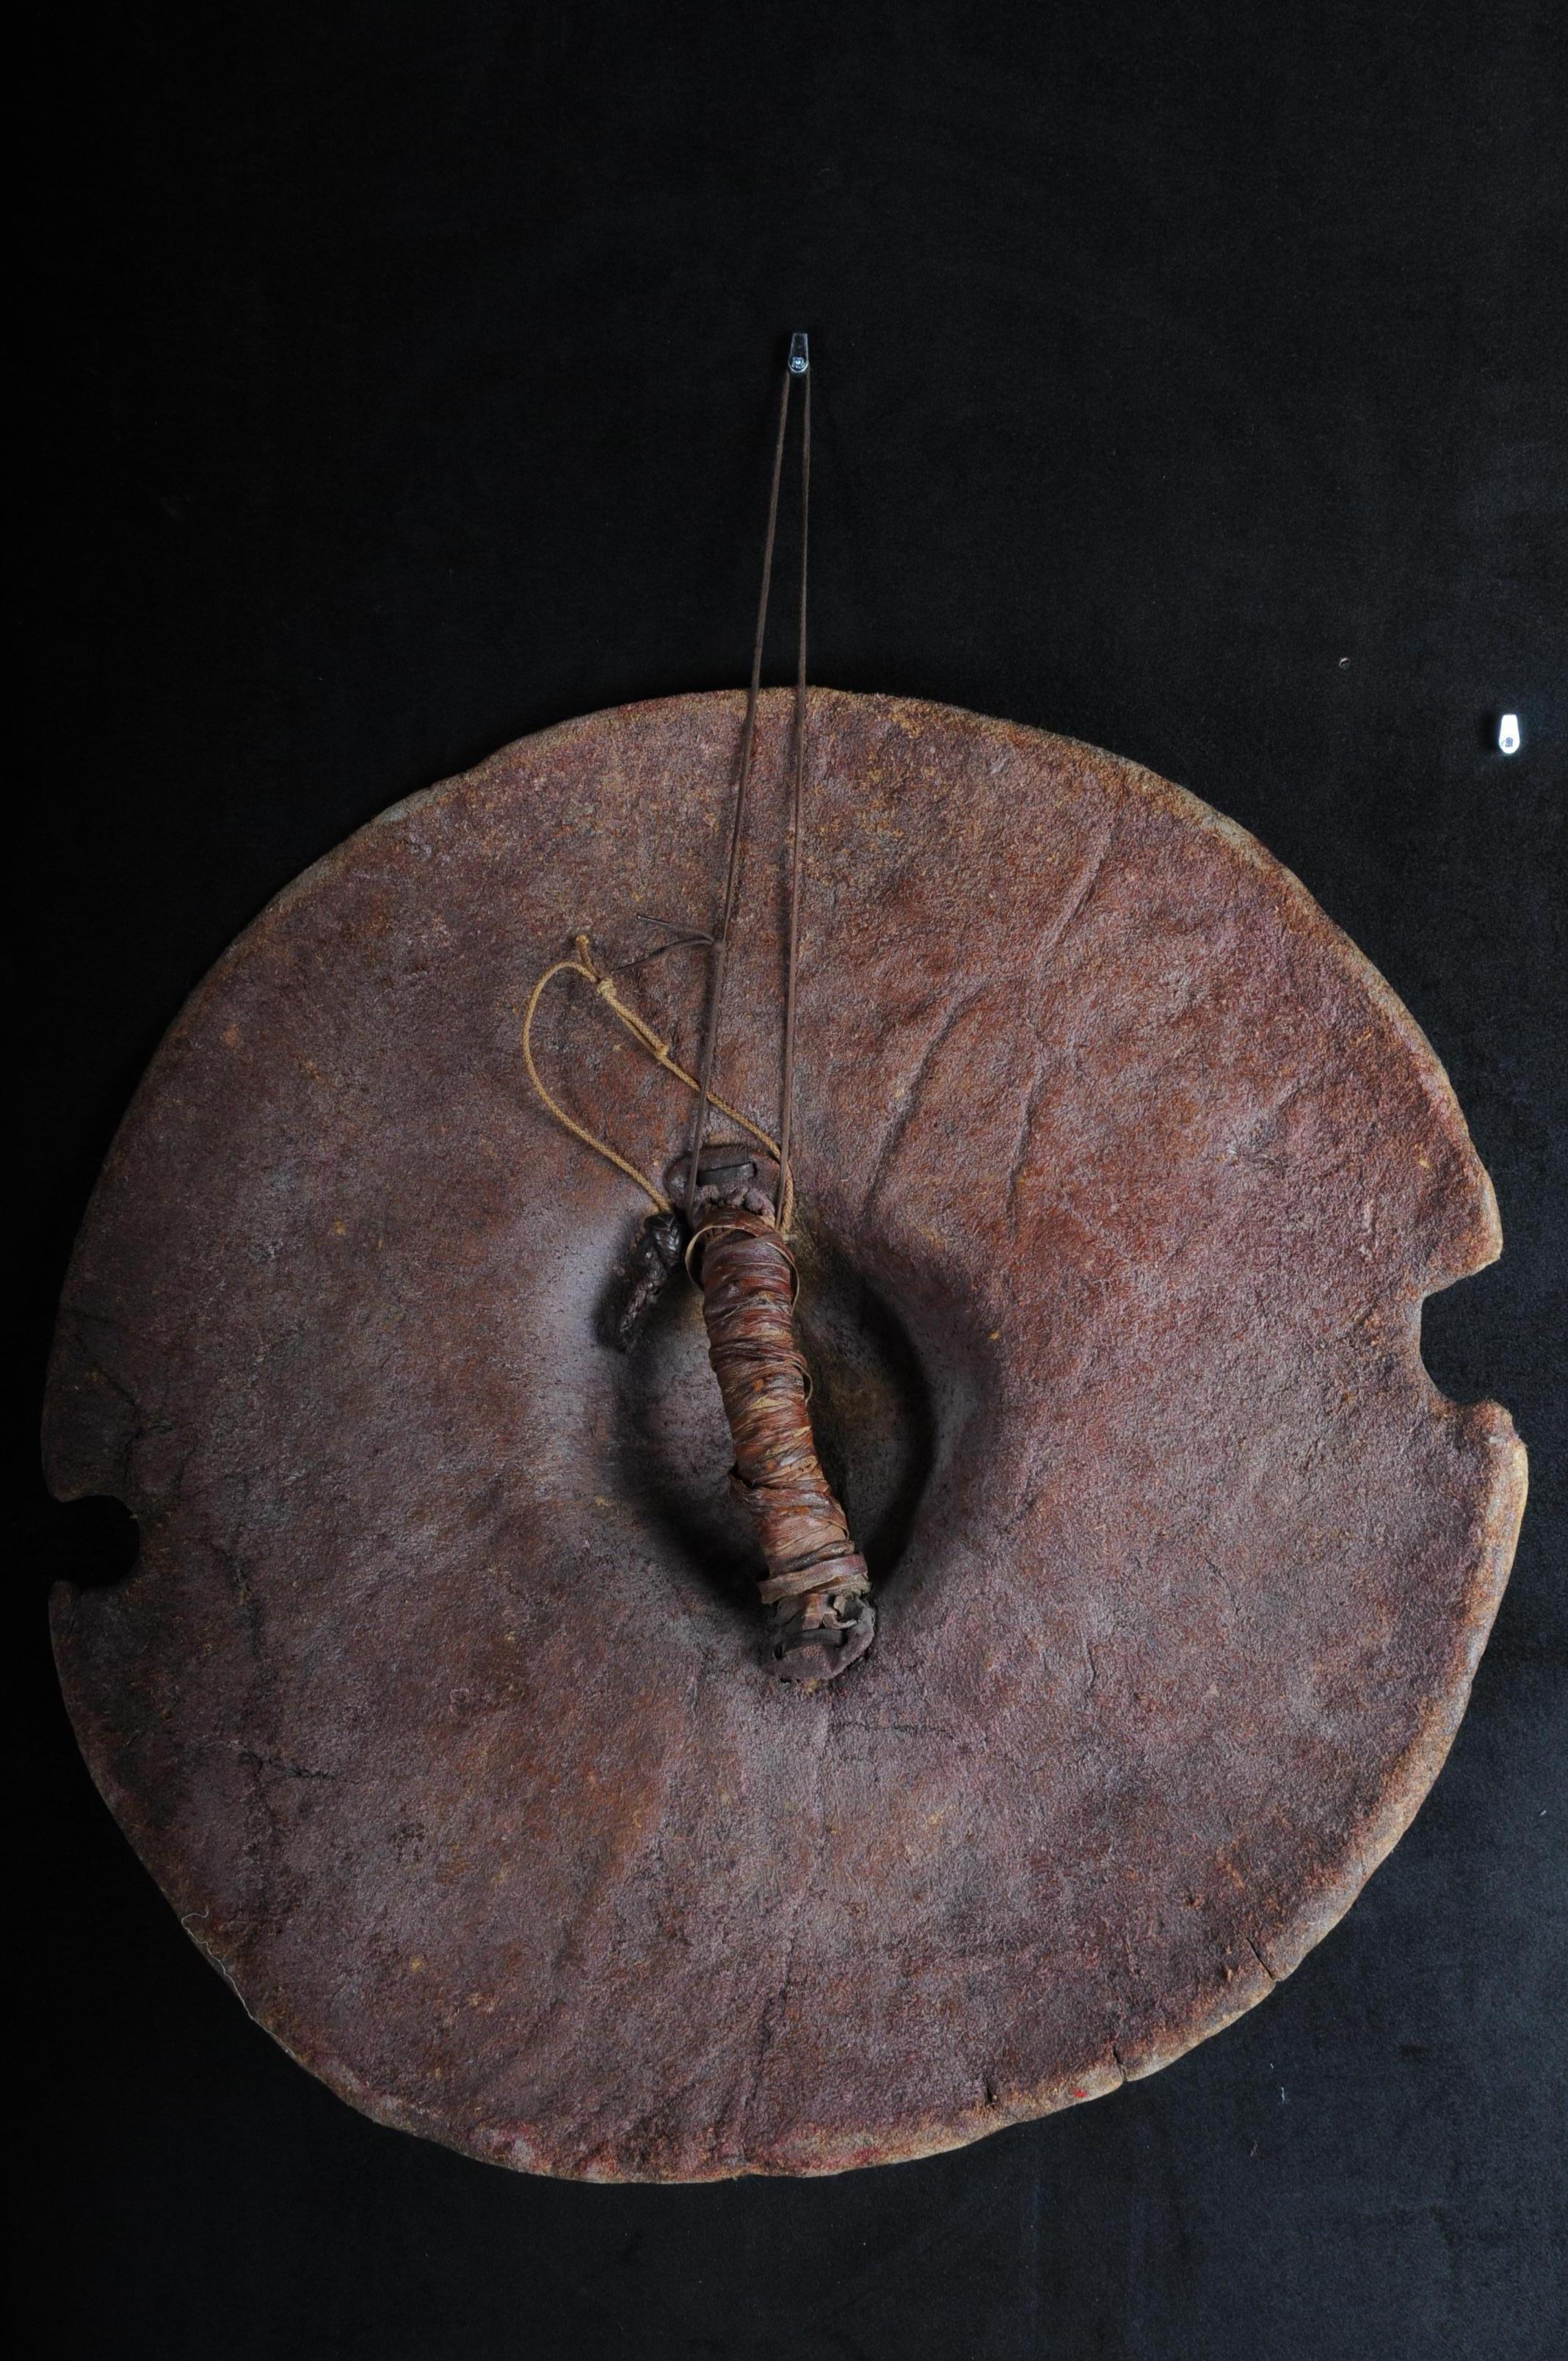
(814, 1578)
(434, 1703)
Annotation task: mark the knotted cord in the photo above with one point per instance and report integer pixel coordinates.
(643, 1033)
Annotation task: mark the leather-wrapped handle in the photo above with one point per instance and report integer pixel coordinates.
(816, 1587)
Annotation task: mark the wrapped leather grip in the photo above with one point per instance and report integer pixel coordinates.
(816, 1584)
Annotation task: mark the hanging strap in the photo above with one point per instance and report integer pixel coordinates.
(797, 369)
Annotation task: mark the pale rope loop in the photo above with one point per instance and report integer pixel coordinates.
(644, 1034)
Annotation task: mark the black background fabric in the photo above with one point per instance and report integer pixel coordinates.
(1189, 379)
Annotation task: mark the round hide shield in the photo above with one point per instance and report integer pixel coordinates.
(435, 1703)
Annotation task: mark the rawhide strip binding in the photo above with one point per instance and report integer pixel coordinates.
(816, 1588)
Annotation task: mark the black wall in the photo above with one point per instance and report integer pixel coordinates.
(1189, 379)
